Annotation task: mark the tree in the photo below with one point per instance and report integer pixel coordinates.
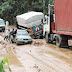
(9, 9)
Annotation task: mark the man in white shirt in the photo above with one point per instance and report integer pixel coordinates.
(6, 34)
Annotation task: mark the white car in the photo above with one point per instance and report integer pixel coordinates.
(22, 37)
(2, 25)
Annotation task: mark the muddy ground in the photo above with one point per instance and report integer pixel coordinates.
(36, 57)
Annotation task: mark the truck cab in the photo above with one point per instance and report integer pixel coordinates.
(2, 25)
(49, 21)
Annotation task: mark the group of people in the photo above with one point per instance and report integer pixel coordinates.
(9, 34)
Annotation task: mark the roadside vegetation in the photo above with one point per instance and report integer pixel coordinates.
(3, 62)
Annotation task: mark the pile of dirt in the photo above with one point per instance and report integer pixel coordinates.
(5, 46)
(37, 43)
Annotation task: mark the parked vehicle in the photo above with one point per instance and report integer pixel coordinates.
(21, 37)
(32, 21)
(2, 25)
(58, 25)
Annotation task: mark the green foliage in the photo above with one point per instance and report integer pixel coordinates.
(9, 9)
(2, 63)
(37, 6)
(51, 2)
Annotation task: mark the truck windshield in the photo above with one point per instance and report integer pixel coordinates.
(1, 22)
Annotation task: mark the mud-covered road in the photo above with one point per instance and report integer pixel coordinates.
(36, 57)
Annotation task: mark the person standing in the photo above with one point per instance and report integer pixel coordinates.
(7, 24)
(6, 35)
(11, 35)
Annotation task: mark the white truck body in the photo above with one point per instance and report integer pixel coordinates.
(47, 24)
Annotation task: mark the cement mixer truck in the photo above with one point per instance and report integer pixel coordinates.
(32, 22)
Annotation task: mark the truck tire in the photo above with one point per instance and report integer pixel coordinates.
(46, 38)
(61, 41)
(64, 41)
(58, 41)
(33, 36)
(41, 37)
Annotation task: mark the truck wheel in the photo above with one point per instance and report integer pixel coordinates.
(58, 41)
(41, 37)
(64, 41)
(46, 38)
(38, 37)
(33, 37)
(61, 41)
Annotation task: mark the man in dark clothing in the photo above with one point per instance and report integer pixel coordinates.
(12, 32)
(15, 32)
(11, 35)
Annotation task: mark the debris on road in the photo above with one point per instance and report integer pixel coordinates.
(38, 69)
(35, 66)
(37, 43)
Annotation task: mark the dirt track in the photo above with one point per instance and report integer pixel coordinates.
(36, 57)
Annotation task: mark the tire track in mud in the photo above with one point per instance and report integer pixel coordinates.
(14, 59)
(56, 63)
(38, 60)
(54, 50)
(52, 65)
(57, 53)
(9, 53)
(58, 58)
(42, 62)
(52, 68)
